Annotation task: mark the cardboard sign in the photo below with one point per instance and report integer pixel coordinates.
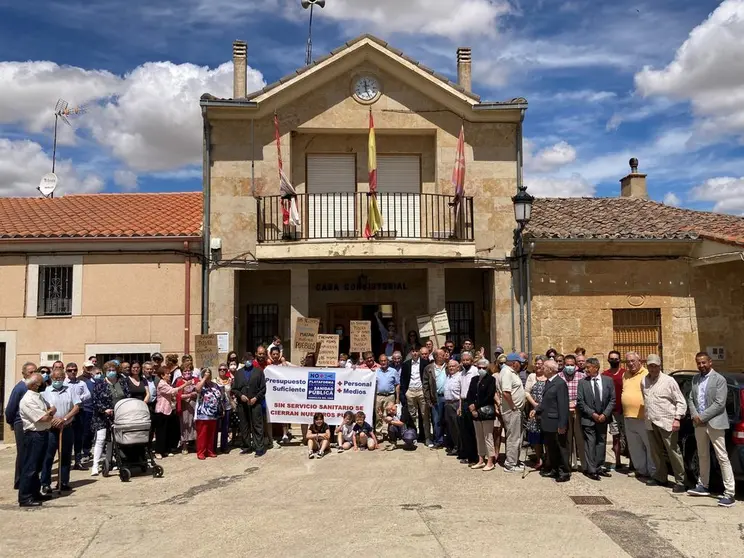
(432, 325)
(327, 351)
(306, 334)
(360, 336)
(206, 354)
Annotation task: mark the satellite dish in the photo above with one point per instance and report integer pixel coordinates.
(48, 184)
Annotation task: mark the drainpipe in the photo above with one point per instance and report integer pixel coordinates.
(518, 241)
(514, 327)
(253, 162)
(530, 247)
(206, 182)
(187, 298)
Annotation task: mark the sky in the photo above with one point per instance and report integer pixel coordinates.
(659, 80)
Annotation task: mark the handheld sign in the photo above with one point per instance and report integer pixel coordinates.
(327, 352)
(306, 334)
(206, 353)
(360, 336)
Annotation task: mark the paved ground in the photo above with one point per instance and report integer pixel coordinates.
(398, 503)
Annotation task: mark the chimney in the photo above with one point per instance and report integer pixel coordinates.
(464, 68)
(634, 185)
(240, 66)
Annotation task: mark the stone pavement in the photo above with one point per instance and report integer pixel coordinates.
(419, 503)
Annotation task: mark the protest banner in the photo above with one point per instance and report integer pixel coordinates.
(306, 333)
(206, 353)
(434, 326)
(327, 351)
(294, 394)
(360, 336)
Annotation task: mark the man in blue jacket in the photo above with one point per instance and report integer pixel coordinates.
(13, 417)
(707, 404)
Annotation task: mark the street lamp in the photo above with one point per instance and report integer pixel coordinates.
(523, 207)
(309, 50)
(522, 214)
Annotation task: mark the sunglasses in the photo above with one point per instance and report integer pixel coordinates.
(223, 369)
(72, 369)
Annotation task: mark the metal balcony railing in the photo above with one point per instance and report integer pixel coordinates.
(344, 216)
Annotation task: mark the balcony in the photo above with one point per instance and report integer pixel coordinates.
(343, 216)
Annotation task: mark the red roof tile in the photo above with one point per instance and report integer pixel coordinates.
(627, 219)
(102, 216)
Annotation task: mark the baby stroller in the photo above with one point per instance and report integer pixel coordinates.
(129, 445)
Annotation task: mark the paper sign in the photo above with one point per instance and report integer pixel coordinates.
(360, 336)
(425, 325)
(327, 351)
(207, 353)
(440, 321)
(306, 333)
(223, 342)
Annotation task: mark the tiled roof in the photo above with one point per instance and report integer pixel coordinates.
(629, 218)
(102, 216)
(394, 51)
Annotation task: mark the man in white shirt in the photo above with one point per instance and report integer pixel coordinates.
(37, 418)
(452, 390)
(81, 391)
(512, 403)
(67, 404)
(411, 383)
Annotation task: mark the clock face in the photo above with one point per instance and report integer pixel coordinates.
(366, 88)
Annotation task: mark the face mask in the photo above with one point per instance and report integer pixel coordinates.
(98, 377)
(614, 363)
(233, 367)
(57, 384)
(111, 375)
(45, 376)
(339, 332)
(569, 369)
(481, 372)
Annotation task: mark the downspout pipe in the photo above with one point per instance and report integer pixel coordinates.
(520, 230)
(528, 286)
(206, 186)
(187, 298)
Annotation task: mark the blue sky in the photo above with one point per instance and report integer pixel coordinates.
(659, 80)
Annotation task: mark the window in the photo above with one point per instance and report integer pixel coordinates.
(636, 330)
(55, 290)
(399, 187)
(331, 186)
(263, 324)
(54, 286)
(461, 322)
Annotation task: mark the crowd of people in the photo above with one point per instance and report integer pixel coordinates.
(562, 408)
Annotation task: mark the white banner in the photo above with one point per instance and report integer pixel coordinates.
(294, 394)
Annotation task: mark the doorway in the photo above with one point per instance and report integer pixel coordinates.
(342, 314)
(2, 391)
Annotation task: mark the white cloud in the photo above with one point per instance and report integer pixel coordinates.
(557, 187)
(727, 193)
(126, 179)
(550, 158)
(706, 71)
(23, 163)
(670, 198)
(149, 119)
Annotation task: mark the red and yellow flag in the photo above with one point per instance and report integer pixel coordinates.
(374, 218)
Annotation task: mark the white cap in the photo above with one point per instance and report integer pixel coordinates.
(88, 364)
(653, 359)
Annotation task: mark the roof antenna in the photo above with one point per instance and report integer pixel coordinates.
(309, 50)
(61, 110)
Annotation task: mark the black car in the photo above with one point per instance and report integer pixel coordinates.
(734, 435)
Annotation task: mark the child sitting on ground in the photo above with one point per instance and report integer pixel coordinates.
(364, 434)
(318, 437)
(345, 433)
(395, 424)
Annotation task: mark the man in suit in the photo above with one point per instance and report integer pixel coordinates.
(412, 388)
(595, 402)
(249, 389)
(553, 413)
(707, 404)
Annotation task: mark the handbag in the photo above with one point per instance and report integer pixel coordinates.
(487, 412)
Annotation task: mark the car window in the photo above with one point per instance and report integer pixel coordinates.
(732, 399)
(685, 383)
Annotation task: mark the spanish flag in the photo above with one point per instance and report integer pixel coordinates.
(374, 218)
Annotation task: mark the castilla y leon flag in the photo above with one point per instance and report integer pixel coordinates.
(374, 218)
(290, 214)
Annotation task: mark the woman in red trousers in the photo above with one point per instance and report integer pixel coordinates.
(209, 407)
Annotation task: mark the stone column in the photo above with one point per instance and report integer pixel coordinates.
(436, 297)
(501, 308)
(222, 307)
(299, 306)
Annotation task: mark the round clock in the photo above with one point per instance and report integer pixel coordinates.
(366, 89)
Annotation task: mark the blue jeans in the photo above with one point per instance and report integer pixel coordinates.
(68, 438)
(437, 416)
(34, 450)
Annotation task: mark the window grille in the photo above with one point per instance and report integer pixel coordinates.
(55, 290)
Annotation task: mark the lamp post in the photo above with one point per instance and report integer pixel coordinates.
(309, 50)
(522, 214)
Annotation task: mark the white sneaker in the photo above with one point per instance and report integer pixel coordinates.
(94, 472)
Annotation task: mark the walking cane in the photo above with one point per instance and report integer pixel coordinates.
(58, 488)
(525, 472)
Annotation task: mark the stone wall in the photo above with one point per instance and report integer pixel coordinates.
(572, 303)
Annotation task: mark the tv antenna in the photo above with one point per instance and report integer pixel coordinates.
(309, 50)
(61, 110)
